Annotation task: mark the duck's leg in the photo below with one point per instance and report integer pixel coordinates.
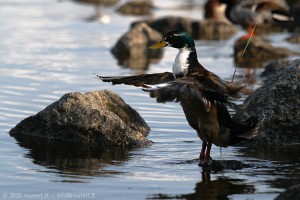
(207, 155)
(202, 153)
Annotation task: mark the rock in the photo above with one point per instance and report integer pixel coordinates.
(258, 52)
(99, 118)
(208, 29)
(220, 165)
(294, 39)
(136, 8)
(100, 2)
(132, 48)
(273, 67)
(291, 193)
(166, 24)
(277, 106)
(211, 29)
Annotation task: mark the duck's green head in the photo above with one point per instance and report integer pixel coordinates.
(176, 39)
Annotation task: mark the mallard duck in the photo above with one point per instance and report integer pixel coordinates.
(214, 10)
(256, 12)
(186, 64)
(203, 104)
(202, 94)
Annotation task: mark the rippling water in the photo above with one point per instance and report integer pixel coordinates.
(49, 48)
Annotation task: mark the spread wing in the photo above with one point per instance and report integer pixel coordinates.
(139, 80)
(189, 89)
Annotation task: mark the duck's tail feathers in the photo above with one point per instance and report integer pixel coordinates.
(236, 88)
(253, 126)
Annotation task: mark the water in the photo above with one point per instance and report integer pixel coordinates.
(49, 48)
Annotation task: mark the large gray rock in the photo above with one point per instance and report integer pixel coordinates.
(208, 29)
(99, 118)
(132, 51)
(277, 106)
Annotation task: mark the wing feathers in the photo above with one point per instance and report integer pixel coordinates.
(190, 89)
(139, 80)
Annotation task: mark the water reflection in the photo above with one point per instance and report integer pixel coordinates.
(72, 159)
(281, 163)
(217, 189)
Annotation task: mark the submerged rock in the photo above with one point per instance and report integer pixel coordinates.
(99, 118)
(220, 165)
(258, 52)
(136, 8)
(208, 29)
(277, 106)
(132, 48)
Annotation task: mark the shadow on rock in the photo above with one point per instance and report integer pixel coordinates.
(72, 159)
(212, 189)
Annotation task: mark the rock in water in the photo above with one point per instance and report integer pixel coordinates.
(291, 193)
(208, 29)
(277, 105)
(136, 8)
(258, 52)
(99, 118)
(131, 50)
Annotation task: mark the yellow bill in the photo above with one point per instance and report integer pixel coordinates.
(159, 45)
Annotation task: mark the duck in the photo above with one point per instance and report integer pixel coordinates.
(214, 10)
(186, 64)
(204, 106)
(202, 94)
(249, 13)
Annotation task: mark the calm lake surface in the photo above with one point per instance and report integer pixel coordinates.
(49, 48)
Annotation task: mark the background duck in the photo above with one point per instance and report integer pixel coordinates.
(256, 12)
(186, 64)
(203, 104)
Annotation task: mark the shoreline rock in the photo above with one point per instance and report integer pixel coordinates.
(99, 118)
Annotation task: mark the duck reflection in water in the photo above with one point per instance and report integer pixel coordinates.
(221, 188)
